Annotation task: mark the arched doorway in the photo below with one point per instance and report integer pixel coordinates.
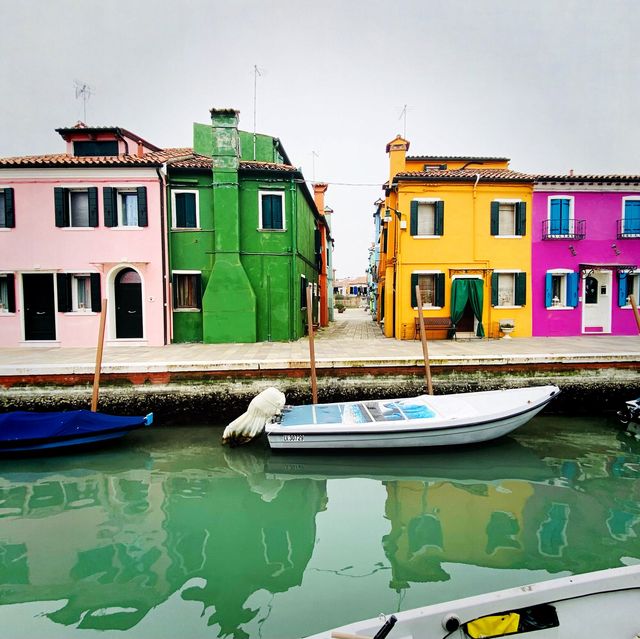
(127, 288)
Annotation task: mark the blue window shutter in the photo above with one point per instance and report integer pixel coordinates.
(61, 206)
(109, 202)
(9, 209)
(564, 217)
(143, 217)
(548, 290)
(96, 297)
(11, 293)
(439, 290)
(494, 287)
(64, 292)
(93, 206)
(439, 218)
(632, 217)
(521, 289)
(623, 282)
(572, 289)
(521, 218)
(414, 283)
(495, 218)
(413, 220)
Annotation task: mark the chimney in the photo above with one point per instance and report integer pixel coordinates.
(140, 149)
(319, 190)
(397, 150)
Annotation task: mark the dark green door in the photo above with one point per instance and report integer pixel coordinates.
(128, 296)
(39, 306)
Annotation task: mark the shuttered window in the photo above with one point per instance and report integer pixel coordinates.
(7, 293)
(508, 218)
(78, 292)
(187, 291)
(631, 223)
(508, 289)
(272, 211)
(76, 207)
(427, 218)
(185, 213)
(431, 289)
(628, 284)
(561, 290)
(7, 212)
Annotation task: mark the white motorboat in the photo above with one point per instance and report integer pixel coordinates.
(427, 420)
(595, 604)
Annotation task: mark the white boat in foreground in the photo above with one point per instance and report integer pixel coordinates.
(596, 604)
(427, 420)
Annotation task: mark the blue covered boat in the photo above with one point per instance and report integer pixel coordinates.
(26, 431)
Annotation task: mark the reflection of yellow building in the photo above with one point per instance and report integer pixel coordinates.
(459, 228)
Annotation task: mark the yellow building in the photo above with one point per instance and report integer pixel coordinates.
(460, 229)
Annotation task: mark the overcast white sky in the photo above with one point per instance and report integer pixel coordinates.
(552, 84)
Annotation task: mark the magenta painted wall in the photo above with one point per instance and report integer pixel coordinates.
(36, 245)
(601, 210)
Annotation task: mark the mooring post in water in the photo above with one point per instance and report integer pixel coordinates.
(636, 314)
(423, 339)
(312, 352)
(96, 374)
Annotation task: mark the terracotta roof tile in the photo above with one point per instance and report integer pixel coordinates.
(465, 175)
(608, 179)
(456, 158)
(196, 161)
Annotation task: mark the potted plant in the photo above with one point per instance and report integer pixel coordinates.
(506, 326)
(340, 307)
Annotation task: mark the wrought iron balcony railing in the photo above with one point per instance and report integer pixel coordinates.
(628, 229)
(570, 229)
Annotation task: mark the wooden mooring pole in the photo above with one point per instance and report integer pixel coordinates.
(96, 374)
(636, 314)
(423, 339)
(312, 352)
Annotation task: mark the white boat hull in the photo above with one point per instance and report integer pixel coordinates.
(464, 418)
(596, 604)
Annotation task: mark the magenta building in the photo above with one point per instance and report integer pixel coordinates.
(585, 254)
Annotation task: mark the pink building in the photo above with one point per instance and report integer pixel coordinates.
(78, 228)
(585, 254)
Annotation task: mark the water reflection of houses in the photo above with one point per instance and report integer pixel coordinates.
(120, 541)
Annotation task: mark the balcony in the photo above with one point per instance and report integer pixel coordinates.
(628, 229)
(564, 229)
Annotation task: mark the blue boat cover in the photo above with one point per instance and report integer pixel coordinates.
(23, 425)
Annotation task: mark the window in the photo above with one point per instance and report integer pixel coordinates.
(508, 218)
(185, 210)
(7, 213)
(431, 289)
(125, 207)
(561, 289)
(95, 148)
(271, 211)
(560, 216)
(427, 218)
(628, 284)
(76, 207)
(187, 291)
(508, 288)
(7, 293)
(631, 217)
(79, 292)
(303, 292)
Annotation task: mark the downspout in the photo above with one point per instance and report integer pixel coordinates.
(294, 255)
(162, 172)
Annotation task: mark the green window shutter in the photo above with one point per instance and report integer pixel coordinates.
(439, 218)
(494, 289)
(93, 206)
(143, 217)
(413, 223)
(521, 289)
(384, 240)
(199, 290)
(96, 297)
(11, 293)
(189, 208)
(439, 290)
(180, 212)
(414, 283)
(9, 209)
(175, 291)
(521, 218)
(276, 212)
(64, 292)
(267, 216)
(495, 218)
(109, 201)
(61, 206)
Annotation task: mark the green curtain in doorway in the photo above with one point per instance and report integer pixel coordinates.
(465, 290)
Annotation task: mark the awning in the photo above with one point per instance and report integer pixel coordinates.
(618, 268)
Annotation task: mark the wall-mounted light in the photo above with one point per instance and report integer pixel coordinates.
(616, 250)
(572, 250)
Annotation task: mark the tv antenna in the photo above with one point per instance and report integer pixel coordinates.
(403, 116)
(256, 73)
(84, 91)
(314, 155)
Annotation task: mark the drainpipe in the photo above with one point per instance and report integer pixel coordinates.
(167, 324)
(294, 255)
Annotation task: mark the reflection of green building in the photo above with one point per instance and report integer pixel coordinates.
(243, 238)
(111, 544)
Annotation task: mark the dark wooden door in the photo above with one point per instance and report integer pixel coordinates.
(128, 297)
(39, 306)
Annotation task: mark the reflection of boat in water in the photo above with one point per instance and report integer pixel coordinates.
(595, 604)
(502, 459)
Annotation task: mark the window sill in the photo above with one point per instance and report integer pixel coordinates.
(271, 230)
(426, 237)
(126, 228)
(187, 310)
(505, 307)
(429, 308)
(185, 228)
(560, 308)
(11, 314)
(77, 228)
(79, 313)
(508, 237)
(6, 228)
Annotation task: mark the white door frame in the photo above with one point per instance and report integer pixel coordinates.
(599, 314)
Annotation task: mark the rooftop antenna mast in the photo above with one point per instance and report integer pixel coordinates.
(85, 91)
(403, 115)
(256, 73)
(314, 155)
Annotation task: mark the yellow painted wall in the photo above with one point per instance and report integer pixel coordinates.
(467, 243)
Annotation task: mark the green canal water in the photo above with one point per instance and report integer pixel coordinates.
(167, 534)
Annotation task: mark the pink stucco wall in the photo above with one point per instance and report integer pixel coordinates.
(601, 210)
(36, 245)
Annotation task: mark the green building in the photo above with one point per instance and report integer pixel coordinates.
(242, 238)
